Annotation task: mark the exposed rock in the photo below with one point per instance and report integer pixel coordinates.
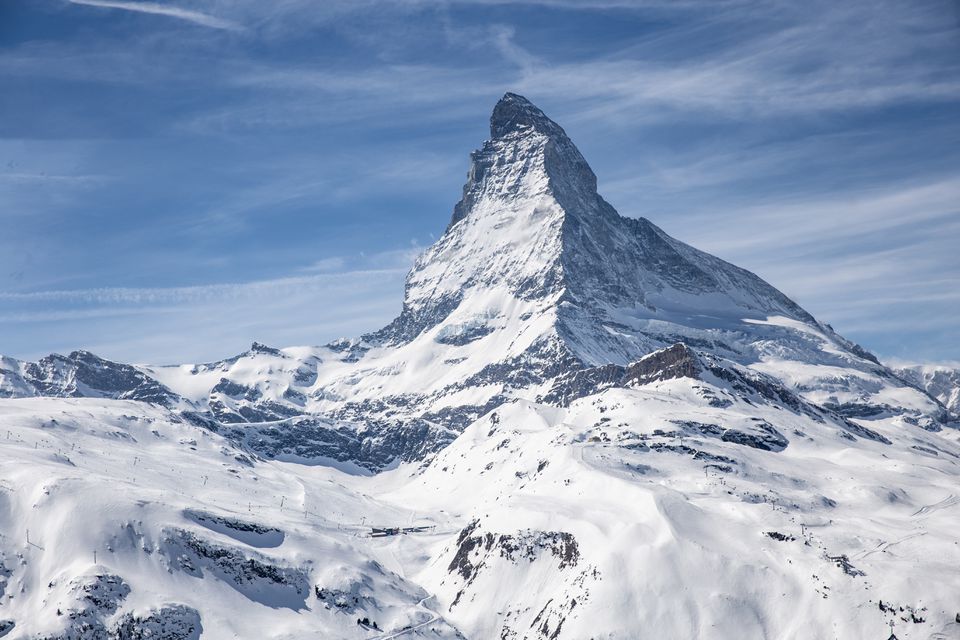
(940, 381)
(171, 622)
(766, 437)
(81, 374)
(676, 361)
(103, 592)
(254, 575)
(96, 598)
(251, 533)
(474, 550)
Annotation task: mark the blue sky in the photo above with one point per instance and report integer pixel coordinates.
(178, 179)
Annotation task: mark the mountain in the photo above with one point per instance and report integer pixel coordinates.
(942, 381)
(80, 375)
(535, 277)
(578, 426)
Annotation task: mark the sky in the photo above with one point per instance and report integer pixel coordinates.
(179, 179)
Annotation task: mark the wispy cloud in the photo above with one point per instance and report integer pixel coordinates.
(159, 9)
(79, 314)
(939, 364)
(334, 263)
(783, 63)
(843, 59)
(205, 322)
(879, 264)
(322, 180)
(822, 223)
(208, 293)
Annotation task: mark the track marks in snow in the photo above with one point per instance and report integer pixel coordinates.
(403, 632)
(886, 544)
(949, 501)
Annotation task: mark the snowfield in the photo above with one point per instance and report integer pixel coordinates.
(626, 511)
(578, 427)
(93, 489)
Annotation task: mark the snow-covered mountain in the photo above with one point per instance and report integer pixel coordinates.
(578, 427)
(942, 381)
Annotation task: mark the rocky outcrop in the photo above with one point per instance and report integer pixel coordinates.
(765, 437)
(256, 576)
(81, 374)
(93, 599)
(171, 622)
(474, 550)
(676, 361)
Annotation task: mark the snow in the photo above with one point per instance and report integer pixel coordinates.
(940, 380)
(127, 482)
(681, 548)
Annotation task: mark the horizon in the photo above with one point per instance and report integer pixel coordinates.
(180, 182)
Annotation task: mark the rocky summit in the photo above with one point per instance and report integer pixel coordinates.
(577, 427)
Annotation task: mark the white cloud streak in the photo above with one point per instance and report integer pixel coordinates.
(841, 217)
(202, 293)
(798, 68)
(199, 323)
(877, 264)
(159, 9)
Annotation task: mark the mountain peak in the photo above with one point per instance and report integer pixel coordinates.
(514, 113)
(527, 154)
(531, 229)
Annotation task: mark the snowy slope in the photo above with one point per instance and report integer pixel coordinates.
(578, 427)
(686, 505)
(113, 511)
(630, 516)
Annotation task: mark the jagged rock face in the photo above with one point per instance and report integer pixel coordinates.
(535, 254)
(505, 233)
(256, 576)
(174, 622)
(94, 599)
(533, 250)
(678, 361)
(80, 374)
